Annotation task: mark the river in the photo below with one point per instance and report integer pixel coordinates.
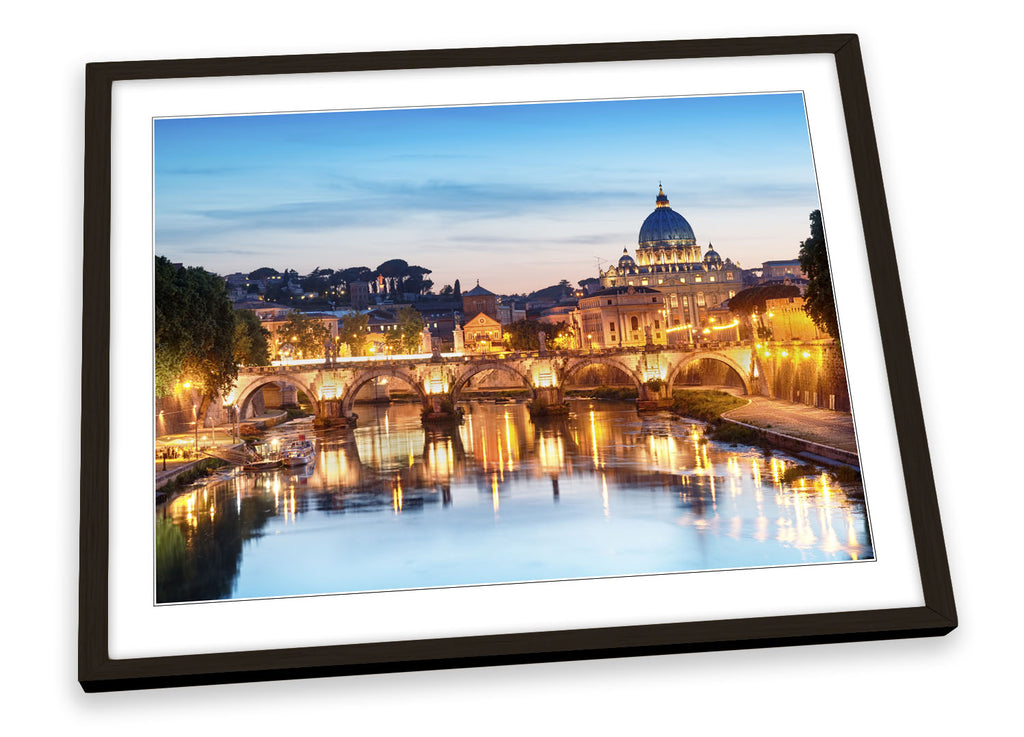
(501, 498)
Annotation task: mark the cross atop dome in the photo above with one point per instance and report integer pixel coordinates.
(661, 200)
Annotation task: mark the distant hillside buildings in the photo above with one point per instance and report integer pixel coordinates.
(671, 292)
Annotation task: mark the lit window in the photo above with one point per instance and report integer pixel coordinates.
(698, 279)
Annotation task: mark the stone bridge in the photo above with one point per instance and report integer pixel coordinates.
(333, 387)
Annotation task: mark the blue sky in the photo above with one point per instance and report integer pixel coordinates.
(517, 196)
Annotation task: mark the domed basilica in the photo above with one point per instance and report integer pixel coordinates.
(669, 260)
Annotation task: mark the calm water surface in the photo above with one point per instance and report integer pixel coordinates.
(502, 498)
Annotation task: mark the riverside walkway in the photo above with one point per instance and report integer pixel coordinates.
(822, 426)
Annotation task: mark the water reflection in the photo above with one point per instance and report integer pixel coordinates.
(499, 498)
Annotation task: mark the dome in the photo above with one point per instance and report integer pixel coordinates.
(665, 226)
(712, 257)
(626, 261)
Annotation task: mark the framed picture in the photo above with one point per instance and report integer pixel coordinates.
(448, 358)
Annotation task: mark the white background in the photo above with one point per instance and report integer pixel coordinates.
(942, 93)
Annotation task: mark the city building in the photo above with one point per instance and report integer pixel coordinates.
(510, 313)
(266, 311)
(440, 318)
(359, 294)
(481, 334)
(478, 300)
(782, 270)
(620, 317)
(788, 321)
(669, 260)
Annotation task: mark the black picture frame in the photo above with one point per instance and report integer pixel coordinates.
(99, 672)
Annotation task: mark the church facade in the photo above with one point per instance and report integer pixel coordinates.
(669, 260)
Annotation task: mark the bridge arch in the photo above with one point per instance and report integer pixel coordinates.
(680, 367)
(367, 375)
(579, 364)
(473, 369)
(246, 393)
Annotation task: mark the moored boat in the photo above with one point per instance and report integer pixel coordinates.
(299, 452)
(266, 464)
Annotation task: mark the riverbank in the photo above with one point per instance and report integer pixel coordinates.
(170, 480)
(819, 435)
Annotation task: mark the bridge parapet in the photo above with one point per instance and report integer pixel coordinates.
(333, 387)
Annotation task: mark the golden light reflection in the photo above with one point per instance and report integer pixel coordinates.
(508, 440)
(815, 517)
(396, 496)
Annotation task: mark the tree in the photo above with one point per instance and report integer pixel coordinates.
(316, 281)
(408, 330)
(262, 273)
(194, 336)
(415, 281)
(392, 272)
(354, 332)
(305, 334)
(524, 335)
(457, 291)
(819, 302)
(755, 298)
(251, 340)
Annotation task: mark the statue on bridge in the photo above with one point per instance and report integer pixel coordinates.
(330, 352)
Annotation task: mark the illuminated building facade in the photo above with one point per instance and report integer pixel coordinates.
(481, 334)
(620, 317)
(669, 260)
(787, 320)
